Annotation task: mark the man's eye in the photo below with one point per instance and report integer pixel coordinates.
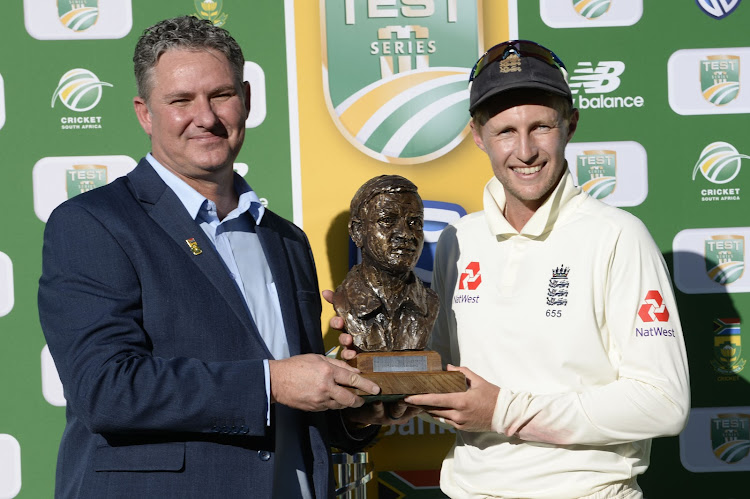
(386, 220)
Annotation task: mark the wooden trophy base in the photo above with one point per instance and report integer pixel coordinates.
(406, 373)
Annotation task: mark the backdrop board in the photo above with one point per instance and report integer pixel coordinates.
(344, 90)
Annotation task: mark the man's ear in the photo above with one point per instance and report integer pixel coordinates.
(247, 90)
(573, 123)
(355, 231)
(476, 133)
(143, 114)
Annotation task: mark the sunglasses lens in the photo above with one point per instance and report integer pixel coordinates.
(520, 47)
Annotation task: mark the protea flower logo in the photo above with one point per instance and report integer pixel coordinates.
(725, 258)
(719, 163)
(79, 89)
(78, 15)
(395, 76)
(211, 10)
(596, 172)
(730, 437)
(720, 78)
(728, 347)
(591, 9)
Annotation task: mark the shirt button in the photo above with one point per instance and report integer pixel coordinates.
(264, 455)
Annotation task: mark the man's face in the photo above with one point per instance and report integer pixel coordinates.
(526, 146)
(391, 235)
(195, 114)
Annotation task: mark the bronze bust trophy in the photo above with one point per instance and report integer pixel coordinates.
(386, 308)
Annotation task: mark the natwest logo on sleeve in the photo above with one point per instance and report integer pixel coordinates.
(653, 309)
(471, 278)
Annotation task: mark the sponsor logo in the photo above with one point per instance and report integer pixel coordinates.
(602, 78)
(590, 13)
(57, 179)
(557, 290)
(653, 308)
(730, 437)
(727, 361)
(716, 440)
(471, 278)
(719, 163)
(718, 9)
(77, 19)
(2, 102)
(78, 15)
(615, 172)
(596, 172)
(7, 297)
(395, 74)
(720, 78)
(211, 10)
(591, 9)
(725, 258)
(708, 81)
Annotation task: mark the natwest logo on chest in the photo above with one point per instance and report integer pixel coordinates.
(471, 278)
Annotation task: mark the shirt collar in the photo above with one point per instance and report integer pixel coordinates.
(194, 201)
(542, 220)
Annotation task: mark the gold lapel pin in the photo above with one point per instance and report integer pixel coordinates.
(193, 246)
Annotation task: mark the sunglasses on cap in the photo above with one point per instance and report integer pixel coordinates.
(522, 48)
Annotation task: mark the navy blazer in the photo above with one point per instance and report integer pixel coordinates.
(161, 364)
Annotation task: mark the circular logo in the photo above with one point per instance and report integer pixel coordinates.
(719, 163)
(79, 90)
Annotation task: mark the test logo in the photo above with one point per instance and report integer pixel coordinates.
(720, 78)
(471, 278)
(653, 309)
(716, 439)
(725, 258)
(57, 179)
(395, 73)
(77, 19)
(718, 9)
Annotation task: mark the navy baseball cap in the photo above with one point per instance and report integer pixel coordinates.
(517, 64)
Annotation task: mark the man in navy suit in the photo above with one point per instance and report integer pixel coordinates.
(183, 316)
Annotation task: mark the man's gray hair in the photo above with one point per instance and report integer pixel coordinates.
(186, 33)
(383, 184)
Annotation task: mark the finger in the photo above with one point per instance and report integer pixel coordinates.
(345, 339)
(327, 295)
(342, 364)
(429, 399)
(355, 381)
(336, 322)
(341, 398)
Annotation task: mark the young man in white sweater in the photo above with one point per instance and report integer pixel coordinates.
(559, 307)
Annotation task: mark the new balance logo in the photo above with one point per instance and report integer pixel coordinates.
(653, 309)
(471, 278)
(603, 78)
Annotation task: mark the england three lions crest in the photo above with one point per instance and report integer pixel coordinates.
(395, 75)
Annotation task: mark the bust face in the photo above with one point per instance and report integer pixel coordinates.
(392, 235)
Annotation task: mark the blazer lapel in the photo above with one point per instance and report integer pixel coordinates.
(277, 257)
(166, 209)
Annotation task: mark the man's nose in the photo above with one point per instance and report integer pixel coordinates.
(526, 149)
(204, 114)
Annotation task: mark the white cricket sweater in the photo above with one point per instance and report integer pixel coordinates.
(575, 320)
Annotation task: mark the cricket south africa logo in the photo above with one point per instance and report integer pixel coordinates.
(727, 359)
(78, 15)
(211, 10)
(719, 163)
(79, 90)
(596, 172)
(395, 74)
(730, 437)
(725, 258)
(591, 9)
(720, 78)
